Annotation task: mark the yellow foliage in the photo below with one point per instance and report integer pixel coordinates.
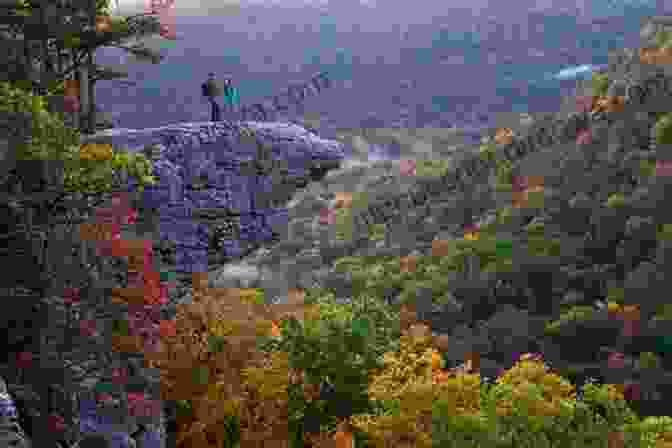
(409, 377)
(613, 307)
(471, 236)
(96, 151)
(533, 373)
(271, 379)
(412, 363)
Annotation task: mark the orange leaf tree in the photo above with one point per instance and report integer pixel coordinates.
(212, 362)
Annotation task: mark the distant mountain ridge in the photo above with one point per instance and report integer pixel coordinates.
(464, 66)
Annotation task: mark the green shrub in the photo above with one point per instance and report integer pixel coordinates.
(460, 430)
(664, 232)
(349, 264)
(377, 232)
(360, 200)
(616, 200)
(647, 168)
(663, 39)
(504, 215)
(608, 398)
(649, 360)
(600, 82)
(616, 295)
(575, 313)
(535, 228)
(488, 152)
(504, 172)
(340, 345)
(489, 228)
(432, 168)
(655, 425)
(577, 423)
(50, 139)
(535, 199)
(344, 224)
(663, 129)
(542, 246)
(503, 188)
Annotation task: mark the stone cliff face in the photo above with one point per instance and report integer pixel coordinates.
(195, 135)
(223, 186)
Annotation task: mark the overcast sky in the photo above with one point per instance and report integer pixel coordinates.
(206, 7)
(397, 11)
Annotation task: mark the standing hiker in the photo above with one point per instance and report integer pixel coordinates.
(211, 90)
(231, 97)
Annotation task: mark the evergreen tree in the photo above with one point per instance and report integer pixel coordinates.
(47, 42)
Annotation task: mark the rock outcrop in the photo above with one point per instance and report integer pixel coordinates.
(224, 135)
(223, 186)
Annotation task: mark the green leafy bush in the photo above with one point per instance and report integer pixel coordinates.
(539, 245)
(647, 168)
(663, 129)
(50, 139)
(504, 173)
(664, 232)
(344, 224)
(575, 313)
(616, 295)
(360, 200)
(119, 24)
(649, 360)
(535, 228)
(339, 345)
(432, 168)
(657, 427)
(488, 152)
(600, 82)
(663, 39)
(377, 232)
(349, 264)
(610, 399)
(616, 200)
(504, 215)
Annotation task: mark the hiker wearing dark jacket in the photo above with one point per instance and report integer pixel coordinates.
(210, 90)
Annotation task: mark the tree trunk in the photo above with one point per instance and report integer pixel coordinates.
(75, 115)
(45, 45)
(91, 112)
(28, 57)
(91, 106)
(59, 58)
(83, 96)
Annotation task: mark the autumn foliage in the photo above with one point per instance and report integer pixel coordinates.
(212, 361)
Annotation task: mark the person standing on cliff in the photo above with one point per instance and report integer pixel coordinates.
(231, 97)
(211, 90)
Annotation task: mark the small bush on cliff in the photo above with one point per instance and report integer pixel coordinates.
(663, 39)
(663, 129)
(87, 168)
(600, 84)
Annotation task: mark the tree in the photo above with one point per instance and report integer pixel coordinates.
(50, 42)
